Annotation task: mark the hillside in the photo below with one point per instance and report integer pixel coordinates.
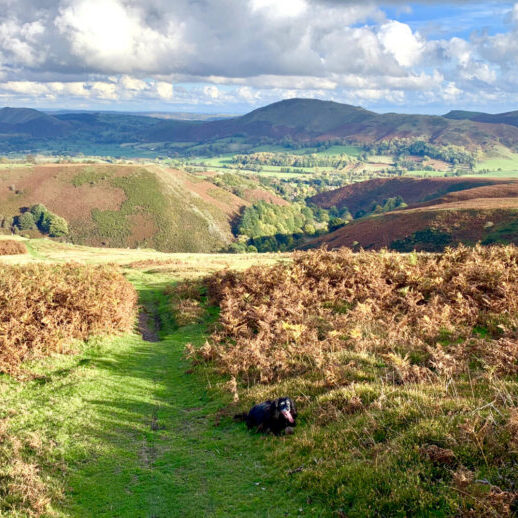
(24, 121)
(124, 206)
(359, 196)
(299, 120)
(310, 119)
(510, 118)
(441, 213)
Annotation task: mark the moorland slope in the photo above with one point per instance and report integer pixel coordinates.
(124, 205)
(440, 213)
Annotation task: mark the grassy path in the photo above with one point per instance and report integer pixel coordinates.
(146, 444)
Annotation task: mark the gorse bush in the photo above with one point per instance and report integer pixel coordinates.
(43, 307)
(404, 368)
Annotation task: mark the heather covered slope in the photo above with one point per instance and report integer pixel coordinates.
(441, 212)
(125, 206)
(311, 119)
(359, 196)
(510, 118)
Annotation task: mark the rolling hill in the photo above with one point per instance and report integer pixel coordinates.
(441, 212)
(124, 206)
(510, 118)
(360, 196)
(315, 120)
(300, 120)
(25, 121)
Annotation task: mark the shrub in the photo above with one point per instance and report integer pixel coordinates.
(404, 369)
(48, 222)
(57, 225)
(42, 307)
(11, 247)
(26, 221)
(39, 211)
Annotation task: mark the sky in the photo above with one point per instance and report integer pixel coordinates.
(232, 56)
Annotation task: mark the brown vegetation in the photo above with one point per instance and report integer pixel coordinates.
(12, 247)
(463, 223)
(359, 196)
(291, 319)
(43, 307)
(125, 205)
(461, 210)
(23, 489)
(186, 303)
(404, 368)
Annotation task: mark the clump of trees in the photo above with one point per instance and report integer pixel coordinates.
(267, 219)
(266, 227)
(401, 148)
(287, 161)
(379, 207)
(47, 222)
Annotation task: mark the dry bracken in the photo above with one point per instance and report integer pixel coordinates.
(43, 307)
(11, 247)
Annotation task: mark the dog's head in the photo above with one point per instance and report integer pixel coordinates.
(286, 407)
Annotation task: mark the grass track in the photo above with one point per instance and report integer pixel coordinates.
(137, 435)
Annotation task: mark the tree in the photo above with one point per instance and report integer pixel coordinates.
(39, 211)
(57, 226)
(26, 221)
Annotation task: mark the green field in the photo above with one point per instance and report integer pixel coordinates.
(499, 160)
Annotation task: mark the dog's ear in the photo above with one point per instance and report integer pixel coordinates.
(293, 407)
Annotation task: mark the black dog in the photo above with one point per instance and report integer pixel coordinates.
(271, 416)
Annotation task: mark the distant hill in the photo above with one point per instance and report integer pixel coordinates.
(311, 119)
(31, 122)
(441, 212)
(300, 120)
(125, 206)
(510, 118)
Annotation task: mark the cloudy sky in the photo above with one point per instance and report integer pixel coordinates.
(229, 56)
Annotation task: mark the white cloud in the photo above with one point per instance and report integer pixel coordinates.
(280, 8)
(243, 52)
(164, 90)
(399, 40)
(110, 36)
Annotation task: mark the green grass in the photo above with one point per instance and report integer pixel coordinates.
(500, 160)
(339, 150)
(503, 233)
(137, 433)
(90, 175)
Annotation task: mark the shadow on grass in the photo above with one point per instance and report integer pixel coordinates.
(151, 448)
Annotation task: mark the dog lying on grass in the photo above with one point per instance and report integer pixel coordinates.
(271, 416)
